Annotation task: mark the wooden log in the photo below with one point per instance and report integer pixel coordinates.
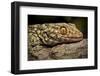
(63, 51)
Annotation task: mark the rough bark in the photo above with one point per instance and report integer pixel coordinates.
(62, 51)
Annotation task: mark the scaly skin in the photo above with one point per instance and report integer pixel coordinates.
(53, 33)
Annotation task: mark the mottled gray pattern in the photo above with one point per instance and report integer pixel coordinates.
(53, 33)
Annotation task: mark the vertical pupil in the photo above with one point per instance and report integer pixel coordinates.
(63, 30)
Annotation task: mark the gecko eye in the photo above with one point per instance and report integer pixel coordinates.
(63, 30)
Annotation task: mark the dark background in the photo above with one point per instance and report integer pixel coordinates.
(81, 22)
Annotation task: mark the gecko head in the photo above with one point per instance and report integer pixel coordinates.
(68, 33)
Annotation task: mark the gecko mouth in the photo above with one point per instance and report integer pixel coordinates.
(68, 40)
(72, 39)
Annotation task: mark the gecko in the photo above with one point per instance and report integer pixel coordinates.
(51, 34)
